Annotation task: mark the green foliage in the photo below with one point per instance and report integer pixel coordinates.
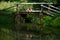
(47, 20)
(50, 24)
(56, 21)
(6, 19)
(53, 1)
(4, 5)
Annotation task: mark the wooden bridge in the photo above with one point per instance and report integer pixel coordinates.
(18, 14)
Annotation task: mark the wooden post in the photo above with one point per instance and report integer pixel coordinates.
(17, 22)
(17, 19)
(41, 24)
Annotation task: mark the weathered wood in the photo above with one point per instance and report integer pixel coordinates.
(41, 24)
(17, 22)
(35, 3)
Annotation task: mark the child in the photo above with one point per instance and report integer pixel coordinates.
(29, 10)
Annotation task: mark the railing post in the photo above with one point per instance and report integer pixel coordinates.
(17, 15)
(41, 24)
(17, 22)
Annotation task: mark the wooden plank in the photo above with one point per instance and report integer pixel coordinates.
(24, 12)
(35, 3)
(34, 11)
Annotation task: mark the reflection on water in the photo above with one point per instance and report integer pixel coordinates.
(13, 35)
(8, 33)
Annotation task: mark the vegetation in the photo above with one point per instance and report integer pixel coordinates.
(51, 25)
